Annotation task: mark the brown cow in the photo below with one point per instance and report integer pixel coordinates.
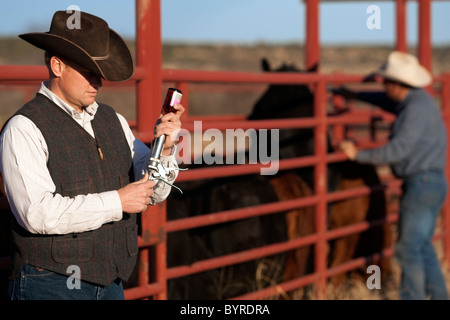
(299, 222)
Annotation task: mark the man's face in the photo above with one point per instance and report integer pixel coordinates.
(78, 86)
(392, 89)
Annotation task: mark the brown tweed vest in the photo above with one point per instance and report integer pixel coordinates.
(76, 168)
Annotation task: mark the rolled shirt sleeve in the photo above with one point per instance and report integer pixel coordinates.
(418, 139)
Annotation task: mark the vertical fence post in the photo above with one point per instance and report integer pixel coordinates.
(320, 187)
(424, 46)
(445, 103)
(148, 97)
(312, 55)
(149, 58)
(401, 25)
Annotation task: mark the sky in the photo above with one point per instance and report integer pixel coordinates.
(239, 21)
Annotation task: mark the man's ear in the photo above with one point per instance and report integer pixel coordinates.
(56, 66)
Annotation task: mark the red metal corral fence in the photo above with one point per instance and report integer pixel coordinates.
(150, 80)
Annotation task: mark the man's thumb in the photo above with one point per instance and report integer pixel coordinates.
(145, 178)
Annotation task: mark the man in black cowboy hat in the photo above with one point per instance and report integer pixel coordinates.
(416, 152)
(74, 174)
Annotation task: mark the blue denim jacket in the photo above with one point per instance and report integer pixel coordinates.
(418, 139)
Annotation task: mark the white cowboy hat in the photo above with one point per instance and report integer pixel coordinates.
(405, 68)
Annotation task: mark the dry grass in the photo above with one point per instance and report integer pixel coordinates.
(356, 289)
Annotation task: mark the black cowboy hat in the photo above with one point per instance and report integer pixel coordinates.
(91, 44)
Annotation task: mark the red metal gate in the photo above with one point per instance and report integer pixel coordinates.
(149, 79)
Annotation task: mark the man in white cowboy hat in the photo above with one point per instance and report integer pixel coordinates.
(416, 152)
(74, 174)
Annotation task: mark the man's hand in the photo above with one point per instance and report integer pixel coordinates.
(135, 197)
(349, 149)
(169, 124)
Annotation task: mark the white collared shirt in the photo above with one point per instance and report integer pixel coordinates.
(30, 188)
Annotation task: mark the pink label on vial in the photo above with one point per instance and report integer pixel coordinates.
(174, 100)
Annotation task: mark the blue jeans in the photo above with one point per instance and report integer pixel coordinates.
(38, 284)
(423, 196)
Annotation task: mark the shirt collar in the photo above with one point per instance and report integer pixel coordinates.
(90, 109)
